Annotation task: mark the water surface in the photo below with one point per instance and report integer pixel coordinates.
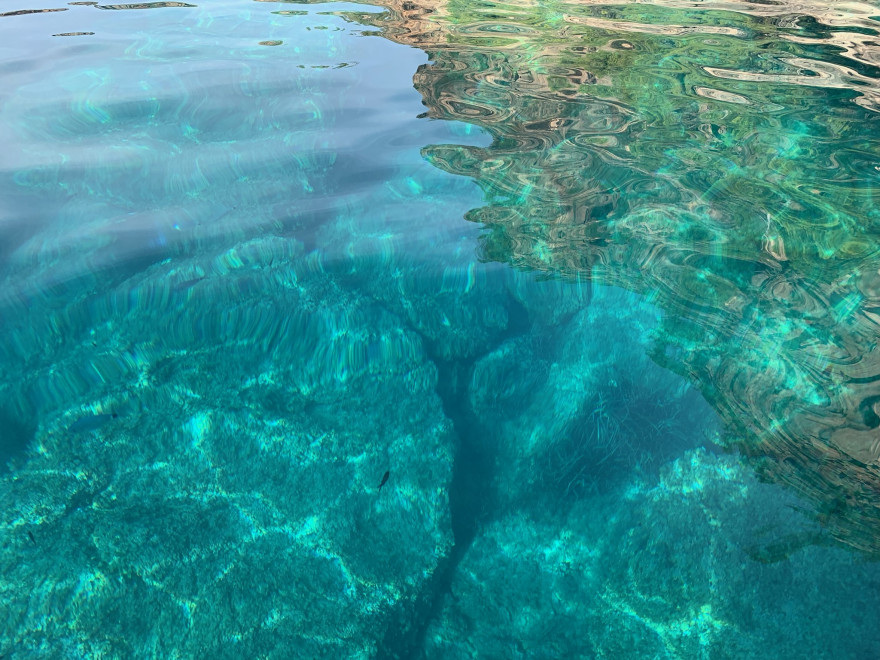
(439, 329)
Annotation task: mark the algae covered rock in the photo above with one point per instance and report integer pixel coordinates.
(521, 591)
(230, 506)
(572, 409)
(687, 565)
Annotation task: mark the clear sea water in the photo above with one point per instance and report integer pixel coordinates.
(440, 329)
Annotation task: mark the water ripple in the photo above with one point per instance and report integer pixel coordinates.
(721, 157)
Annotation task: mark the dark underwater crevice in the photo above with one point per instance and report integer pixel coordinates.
(472, 499)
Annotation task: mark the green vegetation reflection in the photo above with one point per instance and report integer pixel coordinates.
(722, 159)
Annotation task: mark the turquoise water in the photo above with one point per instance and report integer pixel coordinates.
(439, 330)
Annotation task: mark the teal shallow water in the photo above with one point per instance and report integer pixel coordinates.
(439, 330)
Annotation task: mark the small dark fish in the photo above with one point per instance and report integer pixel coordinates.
(31, 537)
(90, 423)
(187, 284)
(384, 478)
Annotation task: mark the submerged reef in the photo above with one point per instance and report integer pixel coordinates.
(279, 408)
(230, 509)
(578, 407)
(666, 573)
(293, 467)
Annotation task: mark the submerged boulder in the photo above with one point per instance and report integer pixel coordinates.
(573, 409)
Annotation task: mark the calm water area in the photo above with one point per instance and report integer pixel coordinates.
(440, 329)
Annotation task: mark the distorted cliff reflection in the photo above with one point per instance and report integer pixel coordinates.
(722, 158)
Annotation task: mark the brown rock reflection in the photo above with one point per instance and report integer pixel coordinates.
(722, 160)
(146, 5)
(23, 12)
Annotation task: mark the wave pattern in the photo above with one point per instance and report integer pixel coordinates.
(722, 158)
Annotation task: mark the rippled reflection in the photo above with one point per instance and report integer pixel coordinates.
(722, 158)
(23, 12)
(146, 5)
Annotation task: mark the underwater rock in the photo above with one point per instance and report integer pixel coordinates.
(574, 409)
(663, 572)
(232, 511)
(459, 310)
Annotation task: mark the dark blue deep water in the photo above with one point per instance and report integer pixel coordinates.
(440, 329)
